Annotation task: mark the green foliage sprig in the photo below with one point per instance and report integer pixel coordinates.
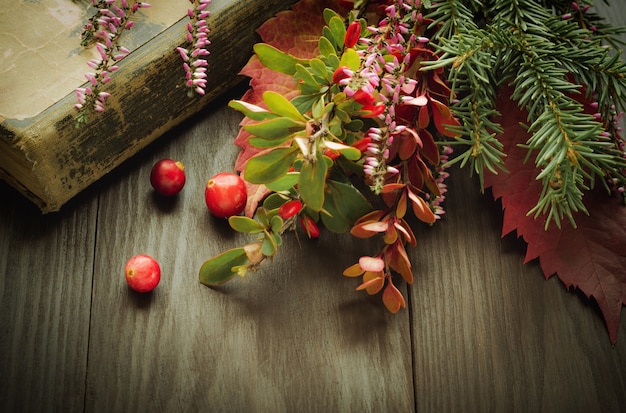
(556, 56)
(382, 101)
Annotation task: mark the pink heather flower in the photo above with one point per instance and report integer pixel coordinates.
(197, 33)
(104, 30)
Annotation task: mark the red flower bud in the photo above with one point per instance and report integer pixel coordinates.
(364, 98)
(362, 144)
(342, 72)
(374, 110)
(310, 226)
(289, 208)
(332, 154)
(353, 33)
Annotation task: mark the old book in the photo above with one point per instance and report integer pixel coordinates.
(42, 152)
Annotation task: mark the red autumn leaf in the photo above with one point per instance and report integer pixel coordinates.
(592, 257)
(392, 298)
(373, 282)
(293, 31)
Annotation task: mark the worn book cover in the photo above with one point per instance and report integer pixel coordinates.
(42, 152)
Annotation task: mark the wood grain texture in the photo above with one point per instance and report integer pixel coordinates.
(294, 336)
(46, 268)
(491, 334)
(49, 160)
(482, 332)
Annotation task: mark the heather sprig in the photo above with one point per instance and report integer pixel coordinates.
(104, 30)
(194, 56)
(365, 113)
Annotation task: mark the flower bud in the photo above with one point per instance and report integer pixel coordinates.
(353, 33)
(290, 208)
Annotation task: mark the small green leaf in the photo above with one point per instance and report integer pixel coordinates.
(320, 70)
(312, 182)
(307, 83)
(245, 224)
(276, 60)
(329, 14)
(338, 29)
(327, 33)
(326, 47)
(268, 248)
(351, 59)
(223, 267)
(269, 166)
(278, 104)
(304, 102)
(253, 112)
(276, 223)
(266, 143)
(349, 152)
(344, 204)
(276, 128)
(284, 183)
(274, 201)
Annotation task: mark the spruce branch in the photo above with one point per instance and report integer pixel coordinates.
(555, 57)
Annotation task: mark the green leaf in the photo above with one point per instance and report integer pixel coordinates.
(276, 128)
(351, 59)
(269, 166)
(268, 248)
(349, 152)
(304, 102)
(326, 47)
(245, 224)
(327, 33)
(320, 70)
(329, 14)
(277, 60)
(344, 204)
(253, 112)
(279, 104)
(312, 182)
(274, 201)
(284, 183)
(307, 83)
(266, 143)
(221, 268)
(338, 29)
(276, 223)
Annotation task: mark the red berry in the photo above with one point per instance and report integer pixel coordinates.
(290, 208)
(310, 226)
(142, 273)
(168, 177)
(226, 194)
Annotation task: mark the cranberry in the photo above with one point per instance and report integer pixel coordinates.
(226, 194)
(142, 273)
(168, 177)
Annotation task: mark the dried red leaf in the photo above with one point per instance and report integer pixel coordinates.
(373, 282)
(392, 298)
(592, 257)
(293, 31)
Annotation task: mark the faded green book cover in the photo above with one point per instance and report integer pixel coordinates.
(42, 153)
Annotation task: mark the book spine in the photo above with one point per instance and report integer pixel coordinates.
(49, 160)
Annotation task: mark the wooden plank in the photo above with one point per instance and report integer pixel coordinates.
(46, 266)
(295, 336)
(491, 334)
(49, 160)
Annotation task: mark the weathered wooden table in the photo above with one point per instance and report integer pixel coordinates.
(482, 332)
